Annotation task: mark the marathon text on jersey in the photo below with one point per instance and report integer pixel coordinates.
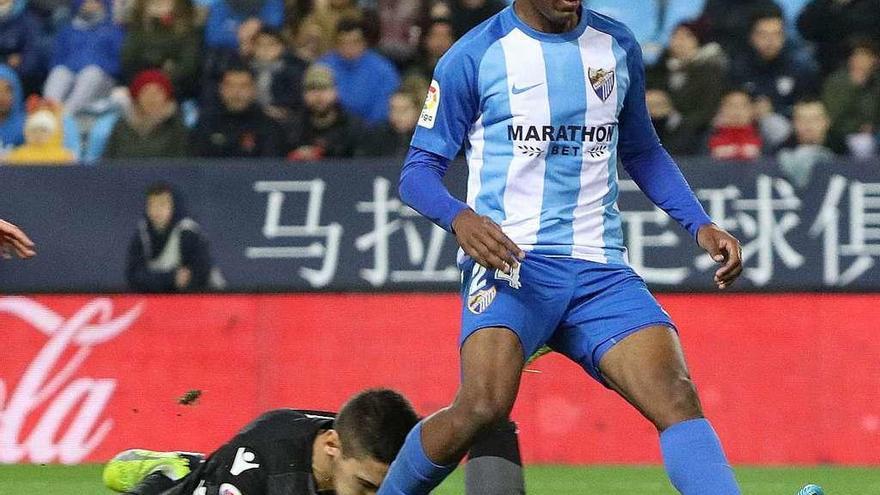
(598, 134)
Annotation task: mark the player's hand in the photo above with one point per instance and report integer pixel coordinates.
(483, 240)
(722, 248)
(13, 239)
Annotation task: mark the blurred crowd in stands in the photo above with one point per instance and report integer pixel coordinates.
(99, 80)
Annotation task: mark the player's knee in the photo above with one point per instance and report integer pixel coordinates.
(682, 403)
(486, 411)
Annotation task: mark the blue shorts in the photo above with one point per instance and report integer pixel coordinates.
(579, 308)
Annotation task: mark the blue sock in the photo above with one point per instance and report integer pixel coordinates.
(695, 461)
(412, 473)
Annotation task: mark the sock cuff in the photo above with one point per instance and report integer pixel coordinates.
(418, 460)
(500, 441)
(687, 426)
(691, 432)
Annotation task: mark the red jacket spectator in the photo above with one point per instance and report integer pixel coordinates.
(735, 143)
(735, 136)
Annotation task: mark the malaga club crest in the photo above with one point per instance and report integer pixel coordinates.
(480, 301)
(602, 81)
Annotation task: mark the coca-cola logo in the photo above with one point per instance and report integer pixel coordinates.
(63, 398)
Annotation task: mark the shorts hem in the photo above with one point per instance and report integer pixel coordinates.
(601, 349)
(482, 326)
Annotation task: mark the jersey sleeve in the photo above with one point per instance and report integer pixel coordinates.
(636, 129)
(645, 159)
(451, 106)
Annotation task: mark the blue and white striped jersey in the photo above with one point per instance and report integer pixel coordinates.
(541, 117)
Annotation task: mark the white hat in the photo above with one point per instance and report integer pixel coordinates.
(42, 119)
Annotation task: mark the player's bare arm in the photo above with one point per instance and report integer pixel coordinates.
(723, 248)
(484, 241)
(13, 239)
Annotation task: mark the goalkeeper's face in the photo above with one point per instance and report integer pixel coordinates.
(357, 476)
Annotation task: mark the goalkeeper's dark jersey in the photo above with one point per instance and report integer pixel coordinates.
(272, 456)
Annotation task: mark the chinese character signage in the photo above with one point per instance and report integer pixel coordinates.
(340, 226)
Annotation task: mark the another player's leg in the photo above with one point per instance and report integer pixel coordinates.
(647, 368)
(492, 360)
(147, 472)
(494, 465)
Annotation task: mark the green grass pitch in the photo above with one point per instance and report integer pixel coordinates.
(540, 480)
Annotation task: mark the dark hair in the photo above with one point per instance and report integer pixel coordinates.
(160, 187)
(439, 21)
(863, 43)
(374, 423)
(695, 27)
(267, 31)
(237, 66)
(771, 12)
(810, 100)
(734, 89)
(348, 24)
(182, 16)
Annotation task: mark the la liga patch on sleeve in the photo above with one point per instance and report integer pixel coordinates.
(429, 111)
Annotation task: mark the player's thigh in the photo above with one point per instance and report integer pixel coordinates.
(610, 303)
(648, 369)
(491, 367)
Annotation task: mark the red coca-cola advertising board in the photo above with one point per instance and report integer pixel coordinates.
(785, 378)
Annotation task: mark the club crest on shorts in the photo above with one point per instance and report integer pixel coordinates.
(479, 302)
(480, 293)
(602, 81)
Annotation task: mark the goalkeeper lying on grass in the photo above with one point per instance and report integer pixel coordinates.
(297, 452)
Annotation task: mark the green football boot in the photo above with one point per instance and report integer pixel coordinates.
(130, 467)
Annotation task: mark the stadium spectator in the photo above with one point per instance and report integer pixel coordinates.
(365, 79)
(691, 73)
(308, 41)
(21, 39)
(12, 112)
(323, 129)
(162, 35)
(677, 138)
(735, 136)
(151, 125)
(51, 12)
(466, 14)
(652, 22)
(807, 147)
(833, 24)
(393, 138)
(769, 69)
(85, 57)
(237, 127)
(728, 23)
(327, 18)
(168, 252)
(230, 21)
(399, 33)
(278, 74)
(437, 38)
(43, 134)
(852, 97)
(774, 128)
